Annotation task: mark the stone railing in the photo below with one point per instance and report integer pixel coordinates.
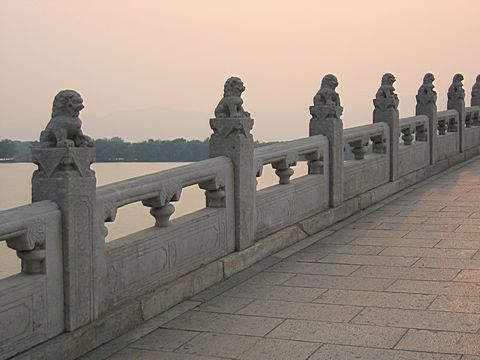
(77, 291)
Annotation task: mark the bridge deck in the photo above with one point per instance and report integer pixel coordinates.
(399, 281)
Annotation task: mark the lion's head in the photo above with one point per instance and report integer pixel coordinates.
(428, 79)
(233, 87)
(457, 79)
(67, 103)
(329, 82)
(388, 79)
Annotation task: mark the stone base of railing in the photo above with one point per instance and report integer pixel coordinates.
(109, 326)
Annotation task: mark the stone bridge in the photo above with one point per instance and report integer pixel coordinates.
(374, 257)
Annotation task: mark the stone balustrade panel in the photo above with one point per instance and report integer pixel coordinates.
(145, 260)
(472, 128)
(31, 303)
(448, 141)
(414, 153)
(289, 202)
(373, 169)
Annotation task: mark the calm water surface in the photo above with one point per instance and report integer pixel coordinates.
(16, 191)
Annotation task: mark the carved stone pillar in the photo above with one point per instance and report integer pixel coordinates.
(64, 177)
(386, 110)
(427, 105)
(326, 120)
(456, 101)
(232, 138)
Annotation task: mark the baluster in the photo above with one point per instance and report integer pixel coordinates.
(32, 261)
(442, 128)
(421, 133)
(407, 136)
(452, 125)
(358, 149)
(379, 146)
(214, 193)
(283, 171)
(476, 119)
(315, 164)
(161, 210)
(468, 120)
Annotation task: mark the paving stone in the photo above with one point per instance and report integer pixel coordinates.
(224, 323)
(342, 352)
(438, 235)
(414, 207)
(298, 310)
(469, 228)
(466, 304)
(470, 357)
(440, 342)
(412, 273)
(135, 354)
(436, 287)
(444, 263)
(370, 233)
(377, 299)
(428, 243)
(469, 276)
(392, 219)
(417, 227)
(164, 339)
(269, 278)
(338, 333)
(450, 220)
(269, 292)
(221, 345)
(369, 259)
(345, 249)
(224, 304)
(276, 349)
(459, 244)
(305, 256)
(313, 268)
(419, 319)
(434, 214)
(339, 282)
(429, 252)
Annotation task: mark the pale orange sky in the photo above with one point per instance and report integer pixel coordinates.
(155, 69)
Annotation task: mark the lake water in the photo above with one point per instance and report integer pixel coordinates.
(16, 191)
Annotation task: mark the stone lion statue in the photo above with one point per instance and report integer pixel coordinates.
(427, 88)
(231, 103)
(386, 90)
(327, 94)
(476, 92)
(455, 91)
(64, 129)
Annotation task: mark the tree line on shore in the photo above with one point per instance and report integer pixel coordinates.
(116, 149)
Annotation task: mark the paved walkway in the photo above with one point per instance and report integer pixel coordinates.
(399, 282)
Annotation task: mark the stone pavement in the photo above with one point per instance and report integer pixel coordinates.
(401, 281)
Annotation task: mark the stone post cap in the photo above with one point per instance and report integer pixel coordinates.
(224, 127)
(326, 111)
(52, 161)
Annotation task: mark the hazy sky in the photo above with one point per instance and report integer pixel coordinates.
(156, 68)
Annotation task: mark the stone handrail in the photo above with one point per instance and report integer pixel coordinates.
(417, 125)
(283, 155)
(358, 138)
(159, 189)
(24, 230)
(447, 121)
(472, 116)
